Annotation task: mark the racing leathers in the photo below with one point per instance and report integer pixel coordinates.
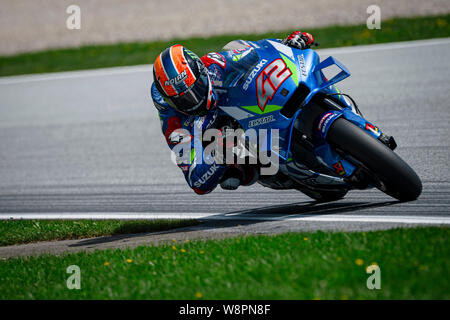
(202, 176)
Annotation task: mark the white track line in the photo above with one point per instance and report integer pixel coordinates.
(148, 67)
(385, 46)
(75, 74)
(266, 217)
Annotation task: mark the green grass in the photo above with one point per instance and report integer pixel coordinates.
(399, 29)
(23, 231)
(414, 264)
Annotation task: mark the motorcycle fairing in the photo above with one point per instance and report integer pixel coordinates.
(254, 70)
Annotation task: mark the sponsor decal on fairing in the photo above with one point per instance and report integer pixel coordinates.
(261, 121)
(301, 61)
(206, 176)
(252, 74)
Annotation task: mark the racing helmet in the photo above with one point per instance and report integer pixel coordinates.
(183, 81)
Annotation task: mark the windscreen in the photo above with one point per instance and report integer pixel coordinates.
(243, 62)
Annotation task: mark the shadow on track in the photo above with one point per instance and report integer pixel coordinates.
(283, 212)
(245, 217)
(312, 207)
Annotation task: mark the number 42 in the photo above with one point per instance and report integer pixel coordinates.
(269, 80)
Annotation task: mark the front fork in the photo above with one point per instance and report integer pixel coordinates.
(338, 162)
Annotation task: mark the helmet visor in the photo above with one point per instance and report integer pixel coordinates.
(193, 98)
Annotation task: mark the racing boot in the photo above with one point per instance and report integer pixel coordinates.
(237, 175)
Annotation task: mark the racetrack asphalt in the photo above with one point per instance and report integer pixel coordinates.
(88, 144)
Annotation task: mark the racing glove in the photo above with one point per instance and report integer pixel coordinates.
(299, 40)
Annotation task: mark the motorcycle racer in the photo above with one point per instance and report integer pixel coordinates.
(186, 91)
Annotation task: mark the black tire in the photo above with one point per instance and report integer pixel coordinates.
(397, 178)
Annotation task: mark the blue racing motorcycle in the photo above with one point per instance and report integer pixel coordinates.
(325, 145)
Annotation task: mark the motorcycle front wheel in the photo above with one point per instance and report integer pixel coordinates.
(394, 176)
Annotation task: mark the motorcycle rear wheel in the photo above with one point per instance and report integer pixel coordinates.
(395, 177)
